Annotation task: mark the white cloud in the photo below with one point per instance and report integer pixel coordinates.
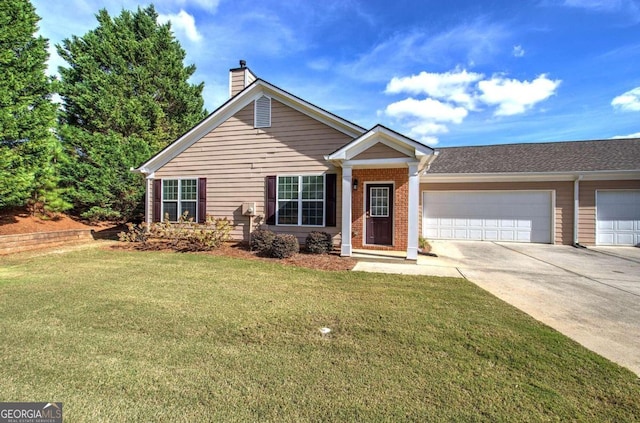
(629, 101)
(430, 128)
(451, 96)
(183, 22)
(425, 132)
(427, 109)
(426, 140)
(449, 86)
(634, 135)
(518, 51)
(512, 96)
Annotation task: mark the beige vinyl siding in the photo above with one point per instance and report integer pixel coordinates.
(237, 81)
(235, 158)
(240, 78)
(380, 151)
(587, 211)
(563, 213)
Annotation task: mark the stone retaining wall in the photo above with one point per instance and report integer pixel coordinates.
(24, 242)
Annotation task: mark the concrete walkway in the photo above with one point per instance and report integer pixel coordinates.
(591, 295)
(394, 262)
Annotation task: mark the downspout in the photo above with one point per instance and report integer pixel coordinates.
(576, 211)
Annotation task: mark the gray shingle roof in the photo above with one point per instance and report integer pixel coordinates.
(573, 156)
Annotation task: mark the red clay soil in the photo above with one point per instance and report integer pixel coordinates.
(21, 222)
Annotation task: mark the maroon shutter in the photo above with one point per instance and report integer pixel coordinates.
(330, 192)
(202, 200)
(157, 200)
(271, 200)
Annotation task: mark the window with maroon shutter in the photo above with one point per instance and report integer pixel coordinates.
(202, 200)
(271, 200)
(180, 196)
(157, 200)
(301, 200)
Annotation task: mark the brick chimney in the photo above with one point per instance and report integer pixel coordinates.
(240, 78)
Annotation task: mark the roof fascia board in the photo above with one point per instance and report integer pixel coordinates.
(393, 140)
(531, 176)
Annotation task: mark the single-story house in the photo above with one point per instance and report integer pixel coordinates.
(268, 158)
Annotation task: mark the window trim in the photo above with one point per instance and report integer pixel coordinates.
(179, 199)
(300, 200)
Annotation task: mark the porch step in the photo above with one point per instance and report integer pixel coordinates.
(377, 256)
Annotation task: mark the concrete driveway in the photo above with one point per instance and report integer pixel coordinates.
(591, 295)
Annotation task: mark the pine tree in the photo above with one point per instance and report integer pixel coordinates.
(126, 95)
(28, 146)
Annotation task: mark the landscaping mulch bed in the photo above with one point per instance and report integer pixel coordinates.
(331, 261)
(20, 221)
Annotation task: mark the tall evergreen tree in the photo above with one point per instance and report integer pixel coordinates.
(29, 150)
(126, 95)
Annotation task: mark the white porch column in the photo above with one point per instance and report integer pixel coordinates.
(414, 203)
(345, 249)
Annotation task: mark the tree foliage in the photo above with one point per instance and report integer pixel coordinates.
(29, 150)
(125, 96)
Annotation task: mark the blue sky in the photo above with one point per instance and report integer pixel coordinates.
(446, 73)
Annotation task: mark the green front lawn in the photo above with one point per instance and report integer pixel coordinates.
(131, 336)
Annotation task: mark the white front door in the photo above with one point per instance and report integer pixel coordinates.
(618, 217)
(519, 216)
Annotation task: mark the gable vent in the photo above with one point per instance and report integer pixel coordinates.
(263, 112)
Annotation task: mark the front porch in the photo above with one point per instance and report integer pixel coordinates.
(380, 192)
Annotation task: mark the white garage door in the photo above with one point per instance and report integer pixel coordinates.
(618, 217)
(520, 216)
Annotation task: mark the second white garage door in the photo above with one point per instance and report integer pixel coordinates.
(618, 217)
(520, 216)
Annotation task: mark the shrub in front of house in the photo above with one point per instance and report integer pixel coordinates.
(284, 245)
(185, 235)
(261, 240)
(318, 242)
(208, 236)
(135, 233)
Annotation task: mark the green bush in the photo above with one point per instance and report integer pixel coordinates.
(261, 240)
(318, 242)
(96, 214)
(284, 245)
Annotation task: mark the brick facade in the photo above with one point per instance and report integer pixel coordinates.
(400, 178)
